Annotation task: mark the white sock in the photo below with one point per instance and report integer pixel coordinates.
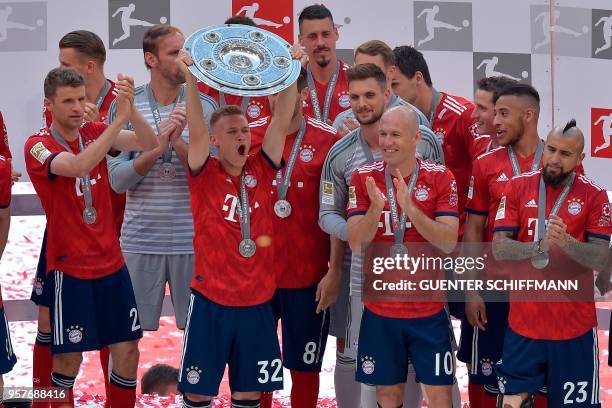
(347, 389)
(368, 396)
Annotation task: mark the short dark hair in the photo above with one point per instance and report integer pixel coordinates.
(59, 77)
(410, 61)
(160, 375)
(227, 110)
(364, 71)
(519, 89)
(302, 81)
(152, 37)
(244, 20)
(85, 43)
(494, 84)
(377, 47)
(314, 12)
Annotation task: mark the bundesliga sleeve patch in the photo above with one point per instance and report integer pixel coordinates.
(501, 210)
(605, 219)
(327, 195)
(352, 198)
(40, 152)
(471, 188)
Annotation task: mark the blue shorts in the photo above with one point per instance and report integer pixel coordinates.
(387, 344)
(482, 349)
(43, 285)
(7, 357)
(244, 338)
(304, 331)
(568, 368)
(87, 314)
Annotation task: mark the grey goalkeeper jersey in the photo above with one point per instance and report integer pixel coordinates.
(158, 216)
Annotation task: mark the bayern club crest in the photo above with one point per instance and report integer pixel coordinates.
(250, 181)
(486, 367)
(344, 100)
(38, 287)
(75, 334)
(367, 365)
(306, 154)
(574, 207)
(421, 193)
(193, 375)
(254, 111)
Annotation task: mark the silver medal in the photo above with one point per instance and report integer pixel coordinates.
(247, 248)
(540, 260)
(398, 249)
(89, 215)
(282, 208)
(167, 171)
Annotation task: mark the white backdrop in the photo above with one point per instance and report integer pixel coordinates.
(571, 83)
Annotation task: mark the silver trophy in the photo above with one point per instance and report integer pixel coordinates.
(242, 60)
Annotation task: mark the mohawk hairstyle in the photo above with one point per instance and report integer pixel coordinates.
(569, 125)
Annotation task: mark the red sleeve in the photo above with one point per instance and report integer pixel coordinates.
(478, 192)
(446, 199)
(358, 199)
(479, 146)
(4, 145)
(39, 151)
(258, 131)
(93, 130)
(468, 130)
(5, 182)
(599, 223)
(507, 215)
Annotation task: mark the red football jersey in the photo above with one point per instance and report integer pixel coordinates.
(117, 200)
(292, 270)
(221, 273)
(257, 108)
(586, 211)
(456, 131)
(491, 172)
(435, 194)
(5, 182)
(481, 145)
(340, 100)
(4, 144)
(73, 247)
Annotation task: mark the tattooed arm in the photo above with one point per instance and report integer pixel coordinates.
(592, 254)
(505, 247)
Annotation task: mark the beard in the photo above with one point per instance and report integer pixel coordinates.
(375, 118)
(554, 180)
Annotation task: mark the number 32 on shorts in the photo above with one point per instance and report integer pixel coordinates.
(265, 368)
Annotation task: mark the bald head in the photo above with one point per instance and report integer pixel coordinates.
(571, 133)
(404, 115)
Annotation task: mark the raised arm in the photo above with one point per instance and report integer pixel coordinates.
(68, 164)
(199, 143)
(274, 139)
(362, 228)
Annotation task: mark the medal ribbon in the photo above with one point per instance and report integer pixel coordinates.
(331, 86)
(167, 157)
(435, 100)
(282, 184)
(243, 210)
(516, 169)
(102, 94)
(555, 208)
(86, 181)
(399, 222)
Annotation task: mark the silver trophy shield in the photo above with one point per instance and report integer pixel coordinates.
(242, 60)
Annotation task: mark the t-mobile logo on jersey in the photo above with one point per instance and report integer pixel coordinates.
(271, 15)
(601, 132)
(129, 19)
(443, 26)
